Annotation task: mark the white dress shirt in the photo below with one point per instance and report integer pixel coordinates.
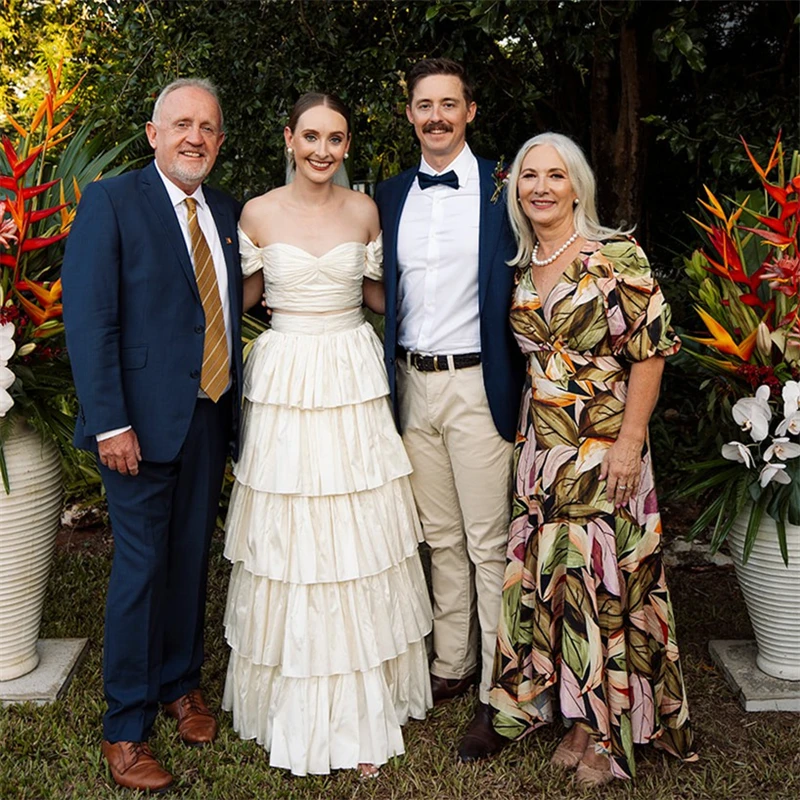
(437, 256)
(209, 229)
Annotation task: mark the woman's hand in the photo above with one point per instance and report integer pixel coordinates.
(622, 464)
(621, 468)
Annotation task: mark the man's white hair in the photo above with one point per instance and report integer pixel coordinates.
(197, 83)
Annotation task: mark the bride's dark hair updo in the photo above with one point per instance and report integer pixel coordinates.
(313, 99)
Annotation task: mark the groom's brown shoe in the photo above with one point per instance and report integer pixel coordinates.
(196, 724)
(481, 740)
(445, 689)
(133, 766)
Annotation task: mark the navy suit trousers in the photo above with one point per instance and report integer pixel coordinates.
(162, 521)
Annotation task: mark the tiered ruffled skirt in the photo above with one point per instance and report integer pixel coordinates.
(327, 607)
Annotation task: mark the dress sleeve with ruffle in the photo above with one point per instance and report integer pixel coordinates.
(373, 259)
(251, 256)
(638, 315)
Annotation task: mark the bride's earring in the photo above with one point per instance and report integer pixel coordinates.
(290, 154)
(347, 155)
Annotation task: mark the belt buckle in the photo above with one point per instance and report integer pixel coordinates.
(435, 363)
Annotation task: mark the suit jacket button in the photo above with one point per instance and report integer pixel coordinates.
(195, 373)
(198, 329)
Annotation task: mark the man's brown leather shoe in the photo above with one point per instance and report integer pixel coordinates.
(196, 724)
(445, 689)
(134, 767)
(481, 740)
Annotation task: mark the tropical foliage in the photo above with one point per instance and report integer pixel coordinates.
(746, 286)
(42, 170)
(656, 92)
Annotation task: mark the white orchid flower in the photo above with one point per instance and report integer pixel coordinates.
(7, 346)
(782, 448)
(790, 425)
(773, 472)
(736, 451)
(753, 414)
(7, 377)
(6, 401)
(791, 398)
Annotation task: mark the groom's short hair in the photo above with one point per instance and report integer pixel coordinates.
(438, 66)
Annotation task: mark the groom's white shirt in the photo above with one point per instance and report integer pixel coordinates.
(437, 256)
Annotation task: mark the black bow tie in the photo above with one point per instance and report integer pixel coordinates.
(448, 179)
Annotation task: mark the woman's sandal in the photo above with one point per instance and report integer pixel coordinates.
(589, 776)
(568, 754)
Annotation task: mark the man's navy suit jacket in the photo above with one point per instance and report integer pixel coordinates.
(134, 320)
(502, 362)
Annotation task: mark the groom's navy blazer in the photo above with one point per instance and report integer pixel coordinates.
(134, 319)
(502, 362)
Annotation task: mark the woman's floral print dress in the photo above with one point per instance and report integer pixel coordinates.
(586, 620)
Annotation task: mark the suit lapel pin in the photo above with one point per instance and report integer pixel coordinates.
(228, 240)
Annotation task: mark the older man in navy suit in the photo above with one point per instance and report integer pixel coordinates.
(455, 373)
(152, 307)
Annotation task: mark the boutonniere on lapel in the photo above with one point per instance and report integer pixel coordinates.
(500, 178)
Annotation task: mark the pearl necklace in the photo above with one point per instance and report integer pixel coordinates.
(535, 261)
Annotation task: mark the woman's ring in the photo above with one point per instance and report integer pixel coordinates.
(621, 486)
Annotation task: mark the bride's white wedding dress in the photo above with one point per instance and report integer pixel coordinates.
(327, 607)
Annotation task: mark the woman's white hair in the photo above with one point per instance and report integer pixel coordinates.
(584, 184)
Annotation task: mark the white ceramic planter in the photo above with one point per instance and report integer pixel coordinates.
(29, 518)
(772, 594)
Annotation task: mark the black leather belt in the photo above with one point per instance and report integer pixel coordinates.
(439, 363)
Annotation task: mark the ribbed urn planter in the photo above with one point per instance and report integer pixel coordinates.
(772, 594)
(29, 519)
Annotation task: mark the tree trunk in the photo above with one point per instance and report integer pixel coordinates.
(618, 142)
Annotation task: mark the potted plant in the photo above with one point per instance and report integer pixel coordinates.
(41, 173)
(746, 288)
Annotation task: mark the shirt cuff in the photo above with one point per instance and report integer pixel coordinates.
(101, 437)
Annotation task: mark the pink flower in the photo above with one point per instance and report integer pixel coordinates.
(8, 229)
(783, 275)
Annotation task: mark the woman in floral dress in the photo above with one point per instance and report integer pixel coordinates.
(586, 623)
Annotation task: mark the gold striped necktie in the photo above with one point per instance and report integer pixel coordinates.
(216, 363)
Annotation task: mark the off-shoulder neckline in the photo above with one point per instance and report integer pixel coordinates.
(303, 250)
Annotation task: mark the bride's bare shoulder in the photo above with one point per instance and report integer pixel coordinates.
(266, 201)
(361, 206)
(256, 209)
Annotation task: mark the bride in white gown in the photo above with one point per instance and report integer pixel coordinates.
(327, 607)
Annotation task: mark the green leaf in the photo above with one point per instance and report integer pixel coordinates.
(756, 514)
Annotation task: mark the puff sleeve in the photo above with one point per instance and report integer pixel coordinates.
(251, 255)
(373, 259)
(638, 315)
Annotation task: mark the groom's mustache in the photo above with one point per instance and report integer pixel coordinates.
(436, 127)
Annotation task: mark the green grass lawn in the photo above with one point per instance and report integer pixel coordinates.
(54, 752)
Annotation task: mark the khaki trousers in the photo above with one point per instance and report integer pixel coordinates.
(462, 483)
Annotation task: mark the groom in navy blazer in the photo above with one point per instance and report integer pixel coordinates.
(455, 374)
(152, 308)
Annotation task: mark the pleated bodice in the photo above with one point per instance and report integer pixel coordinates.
(296, 280)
